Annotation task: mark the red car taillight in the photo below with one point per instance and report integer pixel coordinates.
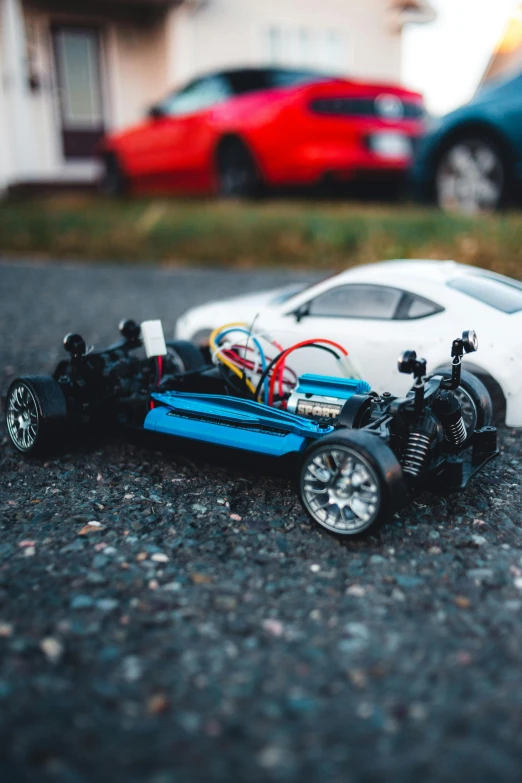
(386, 107)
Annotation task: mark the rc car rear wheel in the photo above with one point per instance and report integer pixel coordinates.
(187, 356)
(350, 482)
(474, 398)
(36, 413)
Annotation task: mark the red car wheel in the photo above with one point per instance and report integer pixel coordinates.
(113, 181)
(237, 173)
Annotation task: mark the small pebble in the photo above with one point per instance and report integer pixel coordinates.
(52, 649)
(107, 604)
(91, 527)
(356, 590)
(82, 602)
(159, 557)
(273, 626)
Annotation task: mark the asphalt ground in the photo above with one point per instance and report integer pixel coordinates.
(204, 631)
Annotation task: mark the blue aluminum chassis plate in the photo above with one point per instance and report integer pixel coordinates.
(232, 422)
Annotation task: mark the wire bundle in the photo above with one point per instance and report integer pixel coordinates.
(248, 361)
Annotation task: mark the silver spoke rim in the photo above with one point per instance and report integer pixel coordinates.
(341, 490)
(470, 178)
(22, 418)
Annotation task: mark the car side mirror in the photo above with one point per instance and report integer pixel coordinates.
(301, 312)
(155, 112)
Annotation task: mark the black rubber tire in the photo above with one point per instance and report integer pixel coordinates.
(188, 356)
(356, 411)
(51, 409)
(236, 171)
(478, 393)
(472, 141)
(113, 182)
(497, 397)
(384, 464)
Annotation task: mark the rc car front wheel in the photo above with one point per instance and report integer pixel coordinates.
(36, 413)
(474, 398)
(350, 482)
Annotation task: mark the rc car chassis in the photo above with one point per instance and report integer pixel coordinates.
(358, 454)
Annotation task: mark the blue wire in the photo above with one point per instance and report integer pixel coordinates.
(259, 348)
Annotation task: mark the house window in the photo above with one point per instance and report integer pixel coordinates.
(305, 47)
(77, 51)
(330, 55)
(275, 45)
(81, 89)
(306, 52)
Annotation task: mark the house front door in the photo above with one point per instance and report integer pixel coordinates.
(78, 77)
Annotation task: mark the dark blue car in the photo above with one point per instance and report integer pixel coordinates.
(471, 159)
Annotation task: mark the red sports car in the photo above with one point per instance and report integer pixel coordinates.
(233, 132)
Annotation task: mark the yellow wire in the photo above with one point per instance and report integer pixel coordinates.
(216, 351)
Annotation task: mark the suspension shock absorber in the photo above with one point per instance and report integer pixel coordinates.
(447, 409)
(418, 446)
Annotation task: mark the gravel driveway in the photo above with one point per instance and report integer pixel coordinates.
(203, 631)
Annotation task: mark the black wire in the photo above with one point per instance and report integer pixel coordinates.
(274, 361)
(232, 384)
(250, 332)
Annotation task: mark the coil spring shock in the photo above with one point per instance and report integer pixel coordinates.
(456, 433)
(447, 407)
(416, 452)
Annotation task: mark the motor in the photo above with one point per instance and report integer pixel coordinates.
(322, 397)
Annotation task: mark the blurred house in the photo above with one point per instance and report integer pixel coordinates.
(72, 69)
(506, 59)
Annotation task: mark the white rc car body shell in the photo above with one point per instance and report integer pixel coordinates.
(374, 344)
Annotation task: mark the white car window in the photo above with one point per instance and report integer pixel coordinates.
(421, 308)
(501, 295)
(357, 301)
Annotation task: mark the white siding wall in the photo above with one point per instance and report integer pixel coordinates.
(346, 36)
(134, 68)
(138, 69)
(43, 102)
(6, 157)
(16, 133)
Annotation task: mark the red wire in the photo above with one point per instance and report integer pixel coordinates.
(159, 365)
(280, 379)
(249, 365)
(279, 371)
(282, 361)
